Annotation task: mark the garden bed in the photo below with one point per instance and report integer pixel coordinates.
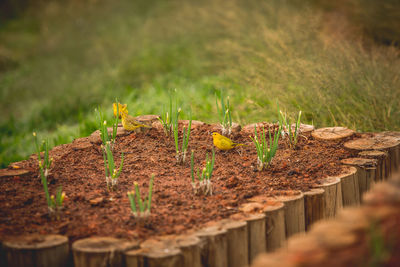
(90, 209)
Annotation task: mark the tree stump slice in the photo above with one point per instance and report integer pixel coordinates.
(387, 143)
(382, 159)
(365, 172)
(332, 133)
(304, 129)
(294, 212)
(333, 198)
(100, 251)
(214, 246)
(314, 206)
(238, 253)
(37, 250)
(350, 187)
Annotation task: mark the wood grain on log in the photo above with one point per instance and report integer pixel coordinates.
(332, 133)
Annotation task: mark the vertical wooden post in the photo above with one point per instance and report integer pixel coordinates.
(101, 251)
(333, 198)
(214, 246)
(238, 253)
(294, 211)
(365, 172)
(350, 187)
(314, 206)
(381, 158)
(37, 250)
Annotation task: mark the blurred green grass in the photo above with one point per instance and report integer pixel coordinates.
(59, 64)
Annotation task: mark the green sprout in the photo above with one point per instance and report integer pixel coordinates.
(265, 153)
(166, 118)
(225, 114)
(204, 179)
(293, 134)
(54, 204)
(104, 135)
(141, 207)
(181, 154)
(111, 172)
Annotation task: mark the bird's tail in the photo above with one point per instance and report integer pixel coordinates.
(236, 144)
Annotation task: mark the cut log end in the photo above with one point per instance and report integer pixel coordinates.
(332, 133)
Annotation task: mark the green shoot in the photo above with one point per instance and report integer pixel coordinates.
(181, 154)
(54, 204)
(204, 179)
(111, 172)
(225, 114)
(115, 123)
(265, 153)
(104, 135)
(293, 134)
(166, 118)
(141, 207)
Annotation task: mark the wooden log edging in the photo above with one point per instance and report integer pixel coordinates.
(378, 142)
(366, 172)
(101, 251)
(350, 187)
(256, 228)
(314, 206)
(294, 212)
(37, 250)
(275, 230)
(383, 162)
(341, 241)
(214, 246)
(333, 197)
(237, 241)
(162, 257)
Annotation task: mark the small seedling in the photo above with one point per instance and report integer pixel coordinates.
(104, 135)
(166, 117)
(203, 185)
(54, 204)
(111, 172)
(225, 114)
(141, 207)
(265, 153)
(181, 154)
(292, 134)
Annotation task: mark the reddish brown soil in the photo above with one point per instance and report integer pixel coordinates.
(79, 169)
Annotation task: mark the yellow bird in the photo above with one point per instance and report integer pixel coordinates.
(224, 143)
(129, 123)
(121, 108)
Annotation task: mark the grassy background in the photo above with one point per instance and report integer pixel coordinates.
(338, 63)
